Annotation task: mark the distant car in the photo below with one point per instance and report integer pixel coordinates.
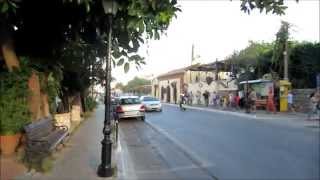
(151, 103)
(130, 106)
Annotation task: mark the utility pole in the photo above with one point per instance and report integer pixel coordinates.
(285, 53)
(192, 58)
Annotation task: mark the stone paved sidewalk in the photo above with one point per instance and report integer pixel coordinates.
(80, 158)
(10, 167)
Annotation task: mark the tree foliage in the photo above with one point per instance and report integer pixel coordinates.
(119, 86)
(273, 6)
(81, 66)
(304, 62)
(43, 27)
(135, 83)
(256, 55)
(282, 38)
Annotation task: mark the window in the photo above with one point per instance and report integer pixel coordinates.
(149, 99)
(127, 101)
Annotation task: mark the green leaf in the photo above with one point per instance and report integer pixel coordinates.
(156, 35)
(120, 62)
(126, 67)
(116, 54)
(5, 7)
(87, 7)
(13, 4)
(141, 26)
(154, 5)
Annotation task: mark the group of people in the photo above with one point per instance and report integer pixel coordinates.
(314, 106)
(230, 100)
(238, 100)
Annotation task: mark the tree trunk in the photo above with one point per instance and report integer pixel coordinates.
(45, 109)
(65, 102)
(10, 56)
(12, 61)
(82, 96)
(34, 98)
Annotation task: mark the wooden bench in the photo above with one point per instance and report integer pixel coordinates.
(42, 137)
(261, 103)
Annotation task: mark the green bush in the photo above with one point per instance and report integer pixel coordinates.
(90, 103)
(14, 112)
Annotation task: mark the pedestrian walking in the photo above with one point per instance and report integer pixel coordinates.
(270, 101)
(214, 99)
(190, 98)
(252, 100)
(231, 102)
(218, 100)
(237, 100)
(314, 99)
(290, 102)
(225, 102)
(206, 95)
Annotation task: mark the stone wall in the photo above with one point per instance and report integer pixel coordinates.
(199, 88)
(168, 83)
(301, 98)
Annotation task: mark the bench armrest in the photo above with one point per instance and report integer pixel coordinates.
(62, 127)
(36, 142)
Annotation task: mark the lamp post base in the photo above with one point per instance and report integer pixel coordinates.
(104, 171)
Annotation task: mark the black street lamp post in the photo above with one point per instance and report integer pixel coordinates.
(105, 169)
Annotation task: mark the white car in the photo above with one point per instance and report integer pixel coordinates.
(151, 103)
(130, 106)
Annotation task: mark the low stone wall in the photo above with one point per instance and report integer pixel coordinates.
(63, 120)
(301, 98)
(75, 113)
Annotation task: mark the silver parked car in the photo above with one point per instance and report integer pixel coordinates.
(151, 103)
(130, 106)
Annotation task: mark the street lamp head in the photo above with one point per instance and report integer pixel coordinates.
(110, 7)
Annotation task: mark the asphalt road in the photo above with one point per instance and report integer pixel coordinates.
(230, 147)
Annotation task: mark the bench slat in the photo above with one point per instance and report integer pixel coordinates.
(42, 136)
(40, 128)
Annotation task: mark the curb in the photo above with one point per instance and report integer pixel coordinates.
(124, 170)
(239, 114)
(302, 123)
(215, 110)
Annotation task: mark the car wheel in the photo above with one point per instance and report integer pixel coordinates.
(160, 110)
(143, 118)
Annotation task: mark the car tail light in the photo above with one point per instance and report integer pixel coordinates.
(119, 109)
(142, 108)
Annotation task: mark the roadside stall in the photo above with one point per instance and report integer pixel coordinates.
(260, 86)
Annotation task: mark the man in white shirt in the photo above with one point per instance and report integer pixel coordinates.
(290, 101)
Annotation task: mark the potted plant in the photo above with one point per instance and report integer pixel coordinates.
(14, 112)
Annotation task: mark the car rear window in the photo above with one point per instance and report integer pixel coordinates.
(126, 101)
(149, 99)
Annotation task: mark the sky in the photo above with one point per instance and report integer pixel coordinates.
(217, 28)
